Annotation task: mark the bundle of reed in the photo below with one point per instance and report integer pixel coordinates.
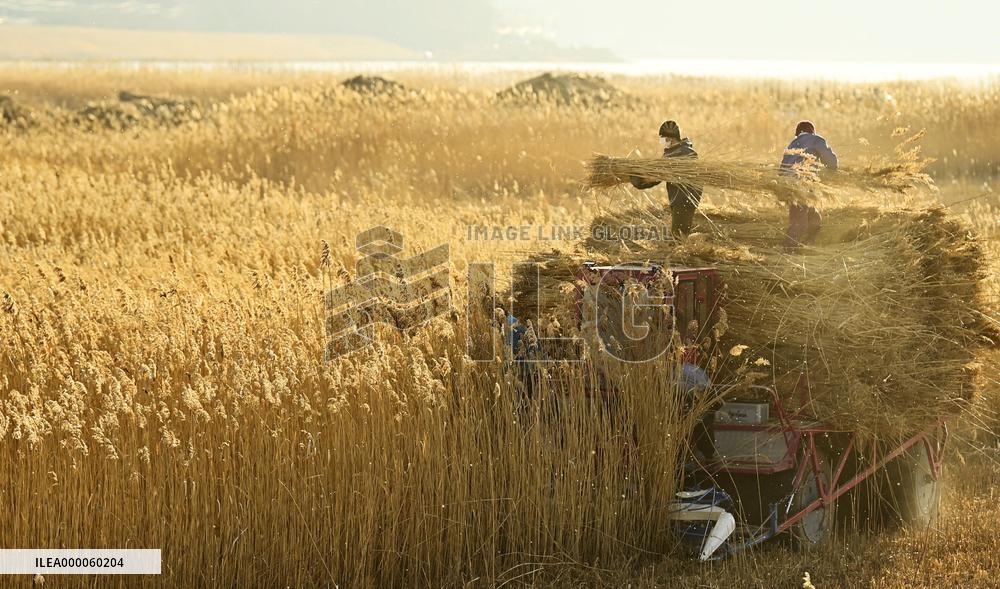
(543, 285)
(607, 172)
(542, 298)
(880, 323)
(897, 176)
(806, 183)
(903, 172)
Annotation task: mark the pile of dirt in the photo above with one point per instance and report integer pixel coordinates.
(13, 115)
(374, 86)
(565, 89)
(132, 110)
(877, 328)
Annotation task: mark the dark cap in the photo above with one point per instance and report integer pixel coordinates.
(804, 127)
(670, 129)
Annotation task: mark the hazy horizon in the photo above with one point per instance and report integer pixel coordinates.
(847, 31)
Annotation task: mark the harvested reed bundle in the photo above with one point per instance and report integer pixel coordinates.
(552, 299)
(805, 185)
(899, 176)
(608, 172)
(542, 298)
(879, 323)
(543, 285)
(625, 321)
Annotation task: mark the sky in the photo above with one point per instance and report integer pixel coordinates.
(961, 31)
(844, 30)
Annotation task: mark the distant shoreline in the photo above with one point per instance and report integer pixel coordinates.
(22, 42)
(707, 68)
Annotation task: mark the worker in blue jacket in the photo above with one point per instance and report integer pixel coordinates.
(807, 149)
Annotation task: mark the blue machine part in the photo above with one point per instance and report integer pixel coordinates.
(711, 496)
(515, 336)
(693, 378)
(694, 533)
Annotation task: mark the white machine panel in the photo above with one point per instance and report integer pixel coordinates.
(743, 413)
(763, 447)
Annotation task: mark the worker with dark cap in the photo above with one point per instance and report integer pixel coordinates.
(683, 198)
(802, 155)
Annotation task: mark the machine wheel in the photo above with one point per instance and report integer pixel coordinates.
(817, 527)
(914, 496)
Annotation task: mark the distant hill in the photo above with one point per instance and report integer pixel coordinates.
(24, 42)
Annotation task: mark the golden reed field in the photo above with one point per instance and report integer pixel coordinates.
(162, 372)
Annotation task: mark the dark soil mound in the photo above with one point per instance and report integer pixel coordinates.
(133, 110)
(374, 86)
(565, 89)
